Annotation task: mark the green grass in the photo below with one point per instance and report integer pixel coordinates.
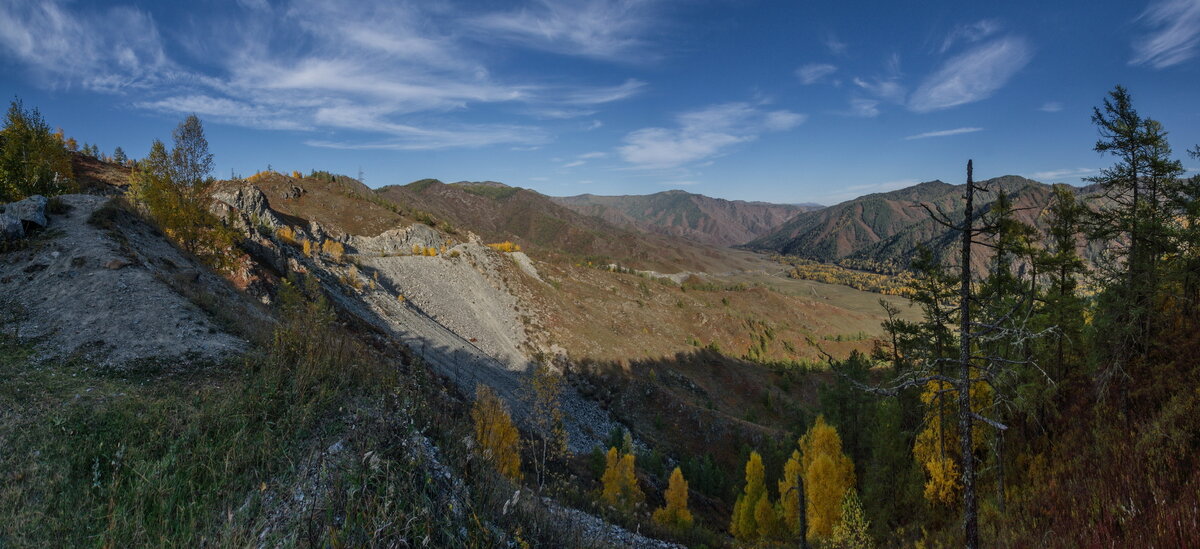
(238, 454)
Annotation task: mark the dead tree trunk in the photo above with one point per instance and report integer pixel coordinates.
(970, 511)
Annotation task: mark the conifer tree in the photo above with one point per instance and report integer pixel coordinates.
(675, 514)
(619, 482)
(744, 524)
(828, 474)
(119, 156)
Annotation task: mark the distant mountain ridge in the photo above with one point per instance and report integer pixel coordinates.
(887, 227)
(708, 220)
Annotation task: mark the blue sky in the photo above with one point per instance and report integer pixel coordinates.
(757, 100)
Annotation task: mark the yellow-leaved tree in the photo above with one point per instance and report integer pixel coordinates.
(936, 448)
(495, 434)
(853, 532)
(620, 485)
(675, 514)
(828, 474)
(753, 515)
(791, 493)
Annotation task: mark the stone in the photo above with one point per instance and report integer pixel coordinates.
(32, 210)
(116, 264)
(11, 228)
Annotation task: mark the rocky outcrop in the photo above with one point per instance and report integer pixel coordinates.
(10, 228)
(251, 203)
(398, 241)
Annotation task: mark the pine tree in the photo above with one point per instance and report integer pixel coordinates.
(495, 434)
(119, 156)
(674, 514)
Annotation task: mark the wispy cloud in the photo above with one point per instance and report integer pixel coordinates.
(404, 71)
(1051, 106)
(973, 32)
(106, 50)
(607, 29)
(814, 72)
(1069, 173)
(703, 134)
(835, 46)
(866, 108)
(972, 76)
(1173, 34)
(943, 133)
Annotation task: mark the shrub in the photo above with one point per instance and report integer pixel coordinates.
(334, 250)
(505, 246)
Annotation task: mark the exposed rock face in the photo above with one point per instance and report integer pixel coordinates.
(399, 241)
(10, 228)
(251, 202)
(31, 211)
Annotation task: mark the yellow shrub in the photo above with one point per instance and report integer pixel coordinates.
(333, 249)
(417, 249)
(297, 175)
(431, 251)
(505, 246)
(307, 246)
(287, 235)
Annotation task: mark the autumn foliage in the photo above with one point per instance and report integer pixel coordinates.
(619, 483)
(497, 438)
(753, 515)
(505, 246)
(828, 475)
(674, 514)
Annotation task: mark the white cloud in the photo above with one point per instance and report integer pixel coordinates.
(227, 111)
(814, 72)
(703, 134)
(972, 76)
(607, 29)
(574, 164)
(943, 133)
(594, 124)
(363, 66)
(679, 183)
(1069, 173)
(973, 32)
(593, 155)
(596, 96)
(1051, 106)
(835, 46)
(1173, 35)
(866, 108)
(886, 89)
(109, 50)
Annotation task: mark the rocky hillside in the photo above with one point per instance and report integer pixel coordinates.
(497, 212)
(887, 227)
(678, 213)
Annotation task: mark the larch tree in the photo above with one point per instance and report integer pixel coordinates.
(619, 484)
(793, 501)
(497, 438)
(828, 474)
(744, 524)
(675, 514)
